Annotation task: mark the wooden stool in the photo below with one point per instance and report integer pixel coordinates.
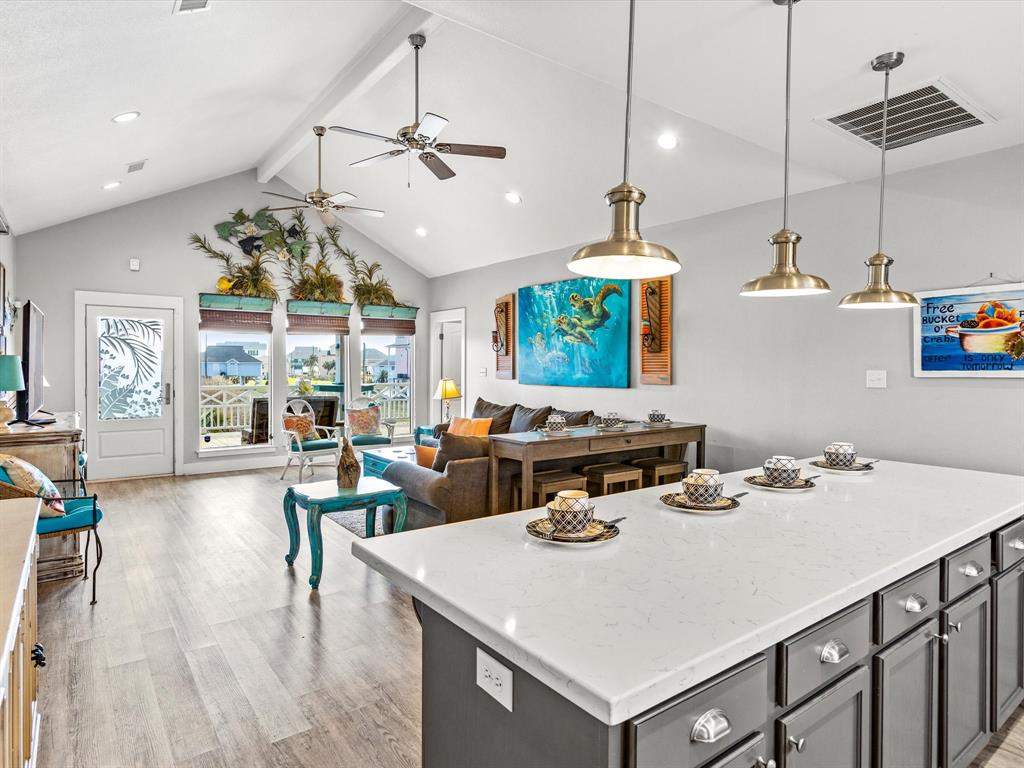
(658, 470)
(546, 484)
(601, 477)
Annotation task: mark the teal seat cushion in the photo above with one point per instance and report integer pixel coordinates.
(370, 440)
(79, 515)
(316, 445)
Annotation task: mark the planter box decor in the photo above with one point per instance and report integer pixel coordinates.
(323, 308)
(397, 313)
(226, 301)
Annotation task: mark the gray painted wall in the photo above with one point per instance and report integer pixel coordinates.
(92, 254)
(787, 375)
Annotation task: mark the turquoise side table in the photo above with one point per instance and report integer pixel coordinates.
(325, 496)
(422, 431)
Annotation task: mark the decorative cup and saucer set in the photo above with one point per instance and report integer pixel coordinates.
(841, 458)
(554, 426)
(656, 418)
(702, 492)
(570, 520)
(781, 473)
(611, 422)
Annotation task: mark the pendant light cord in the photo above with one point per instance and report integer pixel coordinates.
(789, 57)
(416, 116)
(629, 92)
(885, 136)
(319, 142)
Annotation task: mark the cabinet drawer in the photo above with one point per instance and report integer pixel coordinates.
(822, 652)
(1008, 644)
(625, 442)
(373, 467)
(906, 603)
(750, 753)
(965, 569)
(1008, 545)
(702, 722)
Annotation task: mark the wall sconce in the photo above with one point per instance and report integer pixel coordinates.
(498, 334)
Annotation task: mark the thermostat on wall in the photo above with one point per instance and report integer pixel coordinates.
(134, 265)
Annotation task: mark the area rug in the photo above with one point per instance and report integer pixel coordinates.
(355, 521)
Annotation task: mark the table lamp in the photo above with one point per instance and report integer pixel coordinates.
(447, 390)
(11, 380)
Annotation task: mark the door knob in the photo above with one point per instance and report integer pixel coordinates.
(956, 627)
(798, 744)
(167, 393)
(943, 638)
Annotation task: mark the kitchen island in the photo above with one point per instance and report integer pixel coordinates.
(809, 629)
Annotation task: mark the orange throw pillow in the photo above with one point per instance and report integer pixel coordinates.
(425, 455)
(469, 427)
(300, 425)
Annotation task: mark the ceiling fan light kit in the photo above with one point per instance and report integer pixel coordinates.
(625, 254)
(878, 293)
(785, 278)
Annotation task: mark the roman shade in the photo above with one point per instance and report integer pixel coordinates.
(388, 326)
(234, 320)
(322, 324)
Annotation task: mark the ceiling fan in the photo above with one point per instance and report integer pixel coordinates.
(322, 202)
(421, 136)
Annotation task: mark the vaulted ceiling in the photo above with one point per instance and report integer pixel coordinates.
(242, 85)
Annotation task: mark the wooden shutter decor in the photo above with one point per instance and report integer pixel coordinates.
(388, 326)
(234, 320)
(656, 331)
(505, 324)
(328, 324)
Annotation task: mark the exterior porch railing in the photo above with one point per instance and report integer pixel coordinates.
(228, 407)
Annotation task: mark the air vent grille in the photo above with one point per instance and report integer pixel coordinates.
(924, 113)
(136, 166)
(191, 6)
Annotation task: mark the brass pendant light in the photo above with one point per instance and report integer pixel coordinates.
(785, 278)
(625, 254)
(878, 294)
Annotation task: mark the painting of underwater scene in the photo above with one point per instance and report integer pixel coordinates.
(575, 333)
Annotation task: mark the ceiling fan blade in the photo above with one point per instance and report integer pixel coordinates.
(289, 208)
(377, 158)
(364, 211)
(474, 150)
(430, 126)
(341, 197)
(436, 165)
(287, 197)
(328, 218)
(364, 134)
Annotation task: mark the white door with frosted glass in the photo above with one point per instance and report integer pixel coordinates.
(129, 392)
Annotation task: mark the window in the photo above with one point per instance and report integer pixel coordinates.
(386, 370)
(234, 388)
(316, 364)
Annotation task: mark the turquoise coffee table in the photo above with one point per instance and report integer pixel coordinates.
(325, 496)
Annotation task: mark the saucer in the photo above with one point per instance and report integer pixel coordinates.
(620, 428)
(760, 481)
(597, 532)
(679, 501)
(665, 423)
(553, 432)
(853, 469)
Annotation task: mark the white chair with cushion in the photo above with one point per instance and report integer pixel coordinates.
(307, 439)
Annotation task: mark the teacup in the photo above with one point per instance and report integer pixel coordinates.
(703, 486)
(781, 470)
(655, 416)
(570, 500)
(840, 454)
(555, 422)
(571, 514)
(611, 419)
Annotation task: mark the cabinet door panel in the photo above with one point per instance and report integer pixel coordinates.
(1008, 656)
(907, 701)
(966, 675)
(830, 729)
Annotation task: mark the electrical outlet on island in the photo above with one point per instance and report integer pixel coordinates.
(495, 678)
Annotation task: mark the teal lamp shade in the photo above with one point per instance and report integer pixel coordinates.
(11, 377)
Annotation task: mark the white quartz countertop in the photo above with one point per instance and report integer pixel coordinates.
(677, 598)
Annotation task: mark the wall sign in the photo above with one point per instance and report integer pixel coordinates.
(970, 332)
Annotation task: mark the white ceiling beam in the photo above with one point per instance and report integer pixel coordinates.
(380, 55)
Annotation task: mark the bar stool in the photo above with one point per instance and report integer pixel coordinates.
(658, 470)
(601, 477)
(545, 484)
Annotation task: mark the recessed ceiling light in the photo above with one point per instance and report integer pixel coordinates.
(514, 197)
(421, 231)
(668, 140)
(125, 117)
(112, 185)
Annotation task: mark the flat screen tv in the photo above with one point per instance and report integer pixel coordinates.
(30, 401)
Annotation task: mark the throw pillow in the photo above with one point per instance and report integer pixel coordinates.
(364, 421)
(27, 477)
(425, 455)
(574, 418)
(461, 426)
(455, 447)
(301, 426)
(528, 419)
(500, 415)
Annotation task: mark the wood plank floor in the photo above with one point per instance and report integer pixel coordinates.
(206, 651)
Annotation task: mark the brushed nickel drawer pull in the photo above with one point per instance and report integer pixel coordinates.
(762, 764)
(915, 603)
(972, 569)
(1017, 544)
(798, 744)
(943, 638)
(835, 652)
(710, 727)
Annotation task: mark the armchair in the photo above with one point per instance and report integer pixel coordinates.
(365, 424)
(305, 445)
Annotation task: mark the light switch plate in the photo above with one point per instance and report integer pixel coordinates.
(495, 678)
(483, 373)
(134, 265)
(875, 380)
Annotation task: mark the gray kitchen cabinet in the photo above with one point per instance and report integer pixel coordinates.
(830, 729)
(750, 753)
(906, 706)
(965, 678)
(1008, 648)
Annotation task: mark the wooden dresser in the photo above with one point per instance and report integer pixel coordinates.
(19, 713)
(54, 448)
